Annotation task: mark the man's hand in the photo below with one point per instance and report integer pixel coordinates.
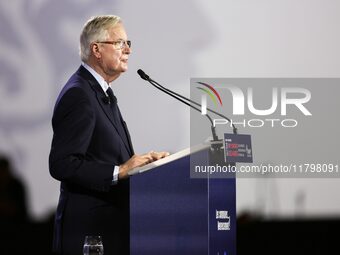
(158, 155)
(140, 160)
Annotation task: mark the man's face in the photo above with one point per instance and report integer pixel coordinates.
(114, 60)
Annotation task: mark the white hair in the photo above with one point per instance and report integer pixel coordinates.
(95, 29)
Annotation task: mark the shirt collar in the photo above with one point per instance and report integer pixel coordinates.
(103, 84)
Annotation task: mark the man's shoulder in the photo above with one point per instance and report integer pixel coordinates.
(81, 78)
(78, 86)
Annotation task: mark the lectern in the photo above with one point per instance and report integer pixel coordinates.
(174, 214)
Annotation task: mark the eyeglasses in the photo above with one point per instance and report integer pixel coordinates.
(119, 44)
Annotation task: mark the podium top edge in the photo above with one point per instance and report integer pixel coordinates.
(170, 158)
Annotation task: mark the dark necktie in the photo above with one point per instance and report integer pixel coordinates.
(116, 114)
(113, 103)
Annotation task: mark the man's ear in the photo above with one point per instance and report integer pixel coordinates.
(95, 50)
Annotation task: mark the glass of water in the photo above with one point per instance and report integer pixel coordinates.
(93, 245)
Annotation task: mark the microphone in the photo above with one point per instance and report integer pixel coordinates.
(143, 75)
(185, 100)
(146, 77)
(216, 153)
(180, 98)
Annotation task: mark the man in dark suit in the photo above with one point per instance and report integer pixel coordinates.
(91, 152)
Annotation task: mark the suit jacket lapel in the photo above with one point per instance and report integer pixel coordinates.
(127, 134)
(101, 98)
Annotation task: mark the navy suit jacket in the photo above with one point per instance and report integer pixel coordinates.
(85, 147)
